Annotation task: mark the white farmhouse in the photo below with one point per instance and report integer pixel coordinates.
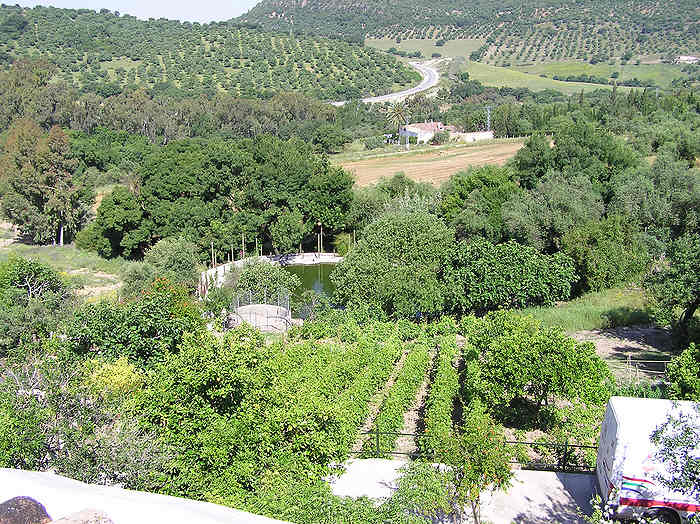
(425, 131)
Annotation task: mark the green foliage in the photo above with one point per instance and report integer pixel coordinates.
(607, 254)
(288, 231)
(675, 289)
(40, 193)
(472, 200)
(581, 149)
(523, 364)
(174, 259)
(265, 279)
(541, 217)
(143, 330)
(395, 265)
(108, 54)
(118, 229)
(33, 301)
(663, 199)
(483, 277)
(280, 189)
(684, 374)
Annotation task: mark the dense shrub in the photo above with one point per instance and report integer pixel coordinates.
(174, 259)
(684, 374)
(481, 277)
(33, 301)
(143, 330)
(524, 366)
(395, 265)
(607, 254)
(262, 279)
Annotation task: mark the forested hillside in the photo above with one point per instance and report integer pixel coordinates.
(106, 53)
(544, 29)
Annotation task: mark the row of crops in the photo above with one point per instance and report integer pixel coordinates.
(495, 366)
(102, 48)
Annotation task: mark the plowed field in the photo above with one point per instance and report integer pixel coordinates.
(431, 166)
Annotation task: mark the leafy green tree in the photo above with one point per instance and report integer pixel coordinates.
(533, 161)
(174, 259)
(330, 138)
(34, 300)
(472, 201)
(675, 289)
(262, 279)
(557, 205)
(288, 231)
(481, 277)
(523, 363)
(677, 440)
(41, 195)
(119, 229)
(607, 253)
(144, 330)
(395, 265)
(684, 374)
(663, 199)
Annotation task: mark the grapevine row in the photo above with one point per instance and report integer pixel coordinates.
(400, 396)
(440, 403)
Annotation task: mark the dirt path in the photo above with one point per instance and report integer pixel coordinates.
(413, 418)
(376, 402)
(647, 347)
(432, 166)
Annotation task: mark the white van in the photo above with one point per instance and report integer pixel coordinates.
(627, 466)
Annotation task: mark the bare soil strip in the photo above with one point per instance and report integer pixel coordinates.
(432, 166)
(376, 402)
(413, 418)
(647, 348)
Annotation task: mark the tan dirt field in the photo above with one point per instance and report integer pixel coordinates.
(431, 166)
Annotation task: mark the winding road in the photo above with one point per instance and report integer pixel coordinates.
(431, 78)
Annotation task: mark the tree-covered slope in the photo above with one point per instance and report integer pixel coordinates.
(549, 29)
(105, 52)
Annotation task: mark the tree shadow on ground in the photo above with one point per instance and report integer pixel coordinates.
(626, 316)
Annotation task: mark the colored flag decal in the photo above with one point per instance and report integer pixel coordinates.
(635, 484)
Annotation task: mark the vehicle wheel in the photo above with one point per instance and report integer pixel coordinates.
(663, 516)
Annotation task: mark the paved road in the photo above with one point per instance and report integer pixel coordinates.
(534, 497)
(431, 78)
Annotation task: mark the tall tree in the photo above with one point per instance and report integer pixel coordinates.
(677, 287)
(41, 194)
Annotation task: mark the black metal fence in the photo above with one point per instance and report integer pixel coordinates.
(544, 456)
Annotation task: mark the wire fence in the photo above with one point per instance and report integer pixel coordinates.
(544, 456)
(633, 372)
